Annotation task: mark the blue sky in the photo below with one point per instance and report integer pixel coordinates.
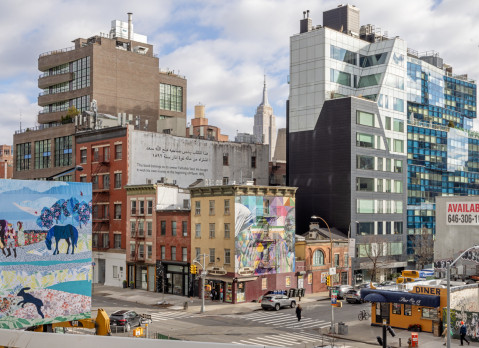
(223, 48)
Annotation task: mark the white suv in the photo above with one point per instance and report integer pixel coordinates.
(277, 301)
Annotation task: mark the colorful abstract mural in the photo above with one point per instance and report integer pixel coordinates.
(264, 234)
(45, 252)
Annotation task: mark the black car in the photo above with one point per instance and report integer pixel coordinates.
(125, 318)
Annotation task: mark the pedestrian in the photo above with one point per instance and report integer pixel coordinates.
(213, 294)
(221, 294)
(444, 334)
(463, 332)
(298, 312)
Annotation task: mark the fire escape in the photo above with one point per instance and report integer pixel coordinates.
(138, 234)
(101, 196)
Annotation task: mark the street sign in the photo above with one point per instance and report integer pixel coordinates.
(334, 298)
(332, 271)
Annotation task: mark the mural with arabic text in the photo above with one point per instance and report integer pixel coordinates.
(45, 252)
(264, 234)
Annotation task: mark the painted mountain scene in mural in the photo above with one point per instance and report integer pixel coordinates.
(45, 252)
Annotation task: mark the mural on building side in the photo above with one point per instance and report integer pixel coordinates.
(45, 252)
(471, 319)
(264, 234)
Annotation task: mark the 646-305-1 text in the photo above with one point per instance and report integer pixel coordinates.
(463, 218)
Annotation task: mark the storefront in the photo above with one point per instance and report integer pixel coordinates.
(420, 307)
(173, 278)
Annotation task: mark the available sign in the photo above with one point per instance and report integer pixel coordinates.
(462, 213)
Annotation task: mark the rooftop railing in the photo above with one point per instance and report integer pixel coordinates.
(49, 53)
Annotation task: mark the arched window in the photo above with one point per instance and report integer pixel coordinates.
(318, 258)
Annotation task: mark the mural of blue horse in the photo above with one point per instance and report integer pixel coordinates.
(67, 232)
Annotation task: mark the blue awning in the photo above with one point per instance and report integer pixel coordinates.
(375, 298)
(402, 297)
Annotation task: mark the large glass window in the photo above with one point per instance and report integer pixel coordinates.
(81, 73)
(365, 206)
(365, 140)
(369, 80)
(365, 184)
(163, 228)
(42, 154)
(398, 125)
(365, 162)
(63, 151)
(395, 248)
(117, 180)
(171, 97)
(365, 228)
(343, 55)
(375, 59)
(398, 145)
(365, 118)
(318, 258)
(184, 228)
(395, 81)
(173, 228)
(340, 77)
(398, 104)
(398, 166)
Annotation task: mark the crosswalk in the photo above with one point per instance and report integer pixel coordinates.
(285, 320)
(287, 340)
(171, 315)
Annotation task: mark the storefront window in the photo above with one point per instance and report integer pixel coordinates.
(229, 292)
(240, 295)
(407, 309)
(396, 308)
(264, 283)
(429, 313)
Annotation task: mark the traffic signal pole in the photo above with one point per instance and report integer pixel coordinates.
(203, 276)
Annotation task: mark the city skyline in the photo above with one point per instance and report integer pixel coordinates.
(209, 43)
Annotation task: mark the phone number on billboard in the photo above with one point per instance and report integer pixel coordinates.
(462, 219)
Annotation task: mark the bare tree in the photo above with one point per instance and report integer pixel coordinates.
(423, 246)
(375, 249)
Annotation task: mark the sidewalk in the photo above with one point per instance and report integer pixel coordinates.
(175, 302)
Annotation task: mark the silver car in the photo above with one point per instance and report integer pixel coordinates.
(277, 301)
(341, 290)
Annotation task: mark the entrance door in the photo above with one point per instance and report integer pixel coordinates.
(384, 313)
(101, 271)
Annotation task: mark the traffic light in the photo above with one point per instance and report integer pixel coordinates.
(193, 269)
(328, 280)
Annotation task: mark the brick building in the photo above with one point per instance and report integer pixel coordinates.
(6, 162)
(200, 128)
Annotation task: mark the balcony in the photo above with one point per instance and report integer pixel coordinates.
(47, 81)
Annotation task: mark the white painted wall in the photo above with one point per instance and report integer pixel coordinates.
(111, 259)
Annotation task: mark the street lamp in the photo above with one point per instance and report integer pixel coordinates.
(65, 172)
(331, 259)
(448, 275)
(203, 276)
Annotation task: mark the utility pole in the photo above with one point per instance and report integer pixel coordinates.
(203, 274)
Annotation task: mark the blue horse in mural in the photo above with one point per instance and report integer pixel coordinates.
(67, 232)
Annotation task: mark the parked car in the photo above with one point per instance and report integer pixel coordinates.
(341, 290)
(277, 301)
(125, 318)
(387, 283)
(354, 296)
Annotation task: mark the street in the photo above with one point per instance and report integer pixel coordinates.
(258, 327)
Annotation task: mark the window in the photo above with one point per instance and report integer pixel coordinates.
(106, 181)
(364, 118)
(115, 271)
(106, 154)
(369, 80)
(133, 207)
(173, 253)
(184, 254)
(117, 180)
(171, 97)
(149, 251)
(365, 140)
(94, 240)
(81, 74)
(379, 186)
(83, 156)
(375, 59)
(365, 228)
(132, 228)
(342, 55)
(398, 145)
(227, 231)
(212, 231)
(212, 207)
(142, 207)
(396, 308)
(117, 241)
(184, 228)
(163, 252)
(253, 161)
(197, 230)
(398, 125)
(132, 250)
(365, 184)
(429, 313)
(365, 162)
(118, 151)
(388, 123)
(186, 204)
(398, 186)
(149, 228)
(395, 81)
(336, 260)
(398, 104)
(318, 258)
(173, 228)
(380, 164)
(24, 156)
(227, 256)
(197, 252)
(42, 154)
(398, 230)
(118, 211)
(346, 260)
(227, 207)
(340, 77)
(197, 207)
(141, 228)
(408, 309)
(63, 151)
(212, 256)
(94, 182)
(226, 180)
(149, 207)
(163, 228)
(398, 166)
(225, 159)
(96, 155)
(106, 240)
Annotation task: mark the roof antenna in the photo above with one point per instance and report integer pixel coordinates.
(304, 14)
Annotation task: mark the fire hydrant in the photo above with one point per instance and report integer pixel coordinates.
(409, 342)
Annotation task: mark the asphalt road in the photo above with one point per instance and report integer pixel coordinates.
(259, 327)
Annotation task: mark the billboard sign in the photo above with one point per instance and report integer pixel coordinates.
(462, 213)
(45, 252)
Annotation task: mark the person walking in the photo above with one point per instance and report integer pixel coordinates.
(298, 312)
(444, 334)
(463, 332)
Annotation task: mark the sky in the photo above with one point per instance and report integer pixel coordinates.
(223, 47)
